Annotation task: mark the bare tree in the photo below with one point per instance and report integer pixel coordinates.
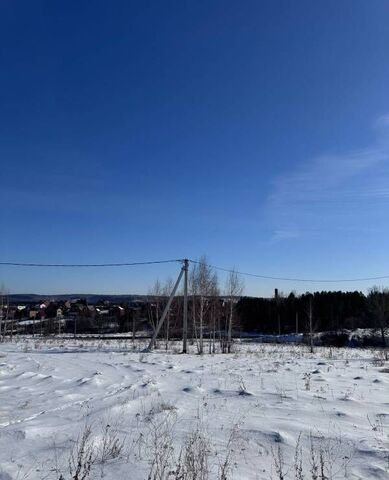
(214, 312)
(154, 303)
(202, 285)
(4, 310)
(233, 290)
(309, 311)
(378, 300)
(279, 297)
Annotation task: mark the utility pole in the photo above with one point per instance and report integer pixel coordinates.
(185, 314)
(162, 319)
(297, 322)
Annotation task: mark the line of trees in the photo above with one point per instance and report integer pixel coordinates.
(318, 311)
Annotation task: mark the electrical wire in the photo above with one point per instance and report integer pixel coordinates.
(87, 265)
(289, 279)
(196, 262)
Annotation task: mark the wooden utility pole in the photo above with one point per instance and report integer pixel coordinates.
(297, 322)
(185, 313)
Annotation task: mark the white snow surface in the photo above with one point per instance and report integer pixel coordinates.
(335, 399)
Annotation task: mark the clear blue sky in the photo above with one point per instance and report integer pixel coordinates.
(255, 132)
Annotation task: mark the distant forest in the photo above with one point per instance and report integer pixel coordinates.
(331, 311)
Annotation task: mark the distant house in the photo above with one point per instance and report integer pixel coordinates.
(33, 313)
(42, 310)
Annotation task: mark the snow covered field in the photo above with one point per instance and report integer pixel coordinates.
(265, 412)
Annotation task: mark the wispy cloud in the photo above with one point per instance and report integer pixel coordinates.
(330, 190)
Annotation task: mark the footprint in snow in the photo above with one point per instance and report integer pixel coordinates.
(84, 380)
(192, 390)
(275, 437)
(245, 393)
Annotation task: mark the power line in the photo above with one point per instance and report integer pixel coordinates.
(180, 260)
(87, 265)
(288, 279)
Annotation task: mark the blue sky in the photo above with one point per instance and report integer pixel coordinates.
(255, 132)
